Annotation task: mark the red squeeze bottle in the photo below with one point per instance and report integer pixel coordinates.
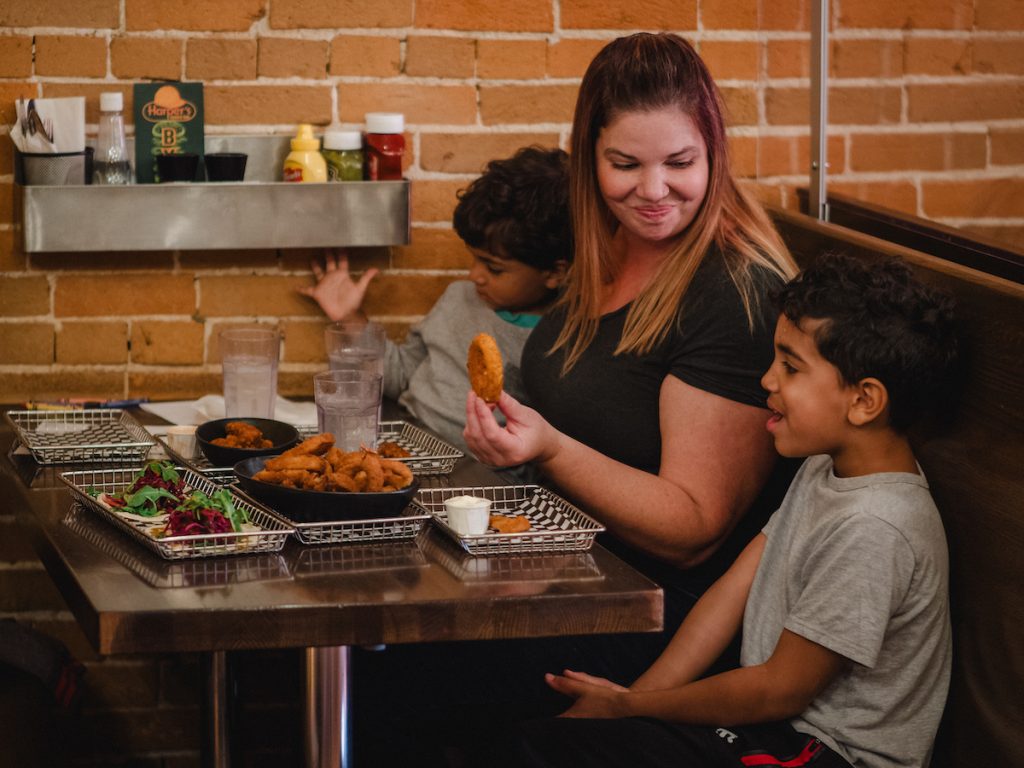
(385, 145)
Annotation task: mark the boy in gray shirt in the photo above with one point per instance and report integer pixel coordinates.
(515, 222)
(843, 597)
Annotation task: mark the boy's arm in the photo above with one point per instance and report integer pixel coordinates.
(709, 626)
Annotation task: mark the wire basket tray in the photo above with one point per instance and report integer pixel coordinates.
(359, 558)
(555, 524)
(405, 526)
(111, 480)
(205, 572)
(62, 437)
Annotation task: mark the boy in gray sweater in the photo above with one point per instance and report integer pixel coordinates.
(842, 598)
(515, 222)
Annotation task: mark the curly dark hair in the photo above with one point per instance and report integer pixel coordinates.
(519, 208)
(883, 323)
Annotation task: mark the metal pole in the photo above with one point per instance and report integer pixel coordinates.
(326, 711)
(819, 110)
(216, 731)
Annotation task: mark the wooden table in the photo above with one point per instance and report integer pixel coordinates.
(325, 598)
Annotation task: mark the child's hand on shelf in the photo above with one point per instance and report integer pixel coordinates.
(339, 296)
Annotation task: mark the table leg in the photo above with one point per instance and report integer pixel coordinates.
(326, 709)
(216, 752)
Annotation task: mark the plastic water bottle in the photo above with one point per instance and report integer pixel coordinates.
(111, 164)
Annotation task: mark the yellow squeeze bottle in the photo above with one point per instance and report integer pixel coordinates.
(304, 162)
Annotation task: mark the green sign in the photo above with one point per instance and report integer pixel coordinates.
(168, 120)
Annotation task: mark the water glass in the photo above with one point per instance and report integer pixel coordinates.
(355, 347)
(347, 406)
(249, 360)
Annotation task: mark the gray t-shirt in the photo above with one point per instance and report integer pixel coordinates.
(427, 373)
(859, 565)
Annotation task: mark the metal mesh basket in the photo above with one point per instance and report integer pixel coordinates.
(96, 434)
(55, 169)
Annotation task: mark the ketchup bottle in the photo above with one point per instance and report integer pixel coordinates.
(385, 145)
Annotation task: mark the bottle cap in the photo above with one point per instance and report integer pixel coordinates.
(305, 140)
(385, 122)
(343, 140)
(111, 101)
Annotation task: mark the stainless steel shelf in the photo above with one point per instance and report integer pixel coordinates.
(260, 212)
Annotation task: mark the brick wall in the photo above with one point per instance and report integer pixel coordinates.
(927, 116)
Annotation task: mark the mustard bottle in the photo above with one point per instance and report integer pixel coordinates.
(304, 162)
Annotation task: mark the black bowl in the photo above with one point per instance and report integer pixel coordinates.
(283, 436)
(303, 506)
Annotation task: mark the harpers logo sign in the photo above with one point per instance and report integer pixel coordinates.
(167, 104)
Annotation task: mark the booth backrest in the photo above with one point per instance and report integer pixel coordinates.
(975, 467)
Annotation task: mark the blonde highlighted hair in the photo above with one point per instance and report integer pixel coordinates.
(640, 73)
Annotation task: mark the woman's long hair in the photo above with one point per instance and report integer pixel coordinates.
(639, 73)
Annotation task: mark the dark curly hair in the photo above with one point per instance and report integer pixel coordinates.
(880, 322)
(519, 208)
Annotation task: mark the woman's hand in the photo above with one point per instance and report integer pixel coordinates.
(338, 295)
(595, 696)
(526, 436)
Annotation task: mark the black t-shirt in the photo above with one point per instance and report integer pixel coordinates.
(610, 402)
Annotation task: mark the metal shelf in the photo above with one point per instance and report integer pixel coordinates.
(260, 212)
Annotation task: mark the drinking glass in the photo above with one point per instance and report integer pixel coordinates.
(355, 347)
(347, 405)
(249, 360)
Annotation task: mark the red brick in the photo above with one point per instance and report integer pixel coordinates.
(999, 14)
(7, 156)
(341, 14)
(787, 106)
(743, 155)
(92, 95)
(432, 249)
(729, 14)
(791, 155)
(785, 14)
(1007, 146)
(156, 342)
(571, 57)
(281, 104)
(451, 104)
(404, 294)
(100, 261)
(999, 57)
(15, 56)
(789, 58)
(917, 151)
(439, 56)
(732, 59)
(252, 295)
(216, 59)
(511, 59)
(866, 58)
(286, 57)
(511, 104)
(908, 14)
(92, 342)
(942, 56)
(740, 106)
(12, 258)
(108, 295)
(521, 16)
(434, 200)
(21, 296)
(87, 14)
(27, 343)
(71, 56)
(900, 195)
(207, 15)
(64, 382)
(365, 56)
(304, 341)
(640, 14)
(974, 199)
(951, 102)
(470, 152)
(146, 57)
(173, 385)
(1006, 234)
(861, 105)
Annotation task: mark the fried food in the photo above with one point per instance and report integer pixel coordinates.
(509, 524)
(391, 450)
(242, 435)
(486, 374)
(317, 464)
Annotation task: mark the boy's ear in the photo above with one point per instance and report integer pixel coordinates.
(870, 400)
(555, 276)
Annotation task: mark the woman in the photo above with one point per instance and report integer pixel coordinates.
(649, 411)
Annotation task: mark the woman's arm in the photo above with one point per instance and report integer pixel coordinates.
(715, 457)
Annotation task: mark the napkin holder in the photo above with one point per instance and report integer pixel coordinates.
(53, 168)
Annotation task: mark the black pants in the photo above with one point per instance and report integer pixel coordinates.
(647, 743)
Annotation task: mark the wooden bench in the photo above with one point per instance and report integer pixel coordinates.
(975, 467)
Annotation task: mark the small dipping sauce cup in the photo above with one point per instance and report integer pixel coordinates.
(182, 440)
(468, 515)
